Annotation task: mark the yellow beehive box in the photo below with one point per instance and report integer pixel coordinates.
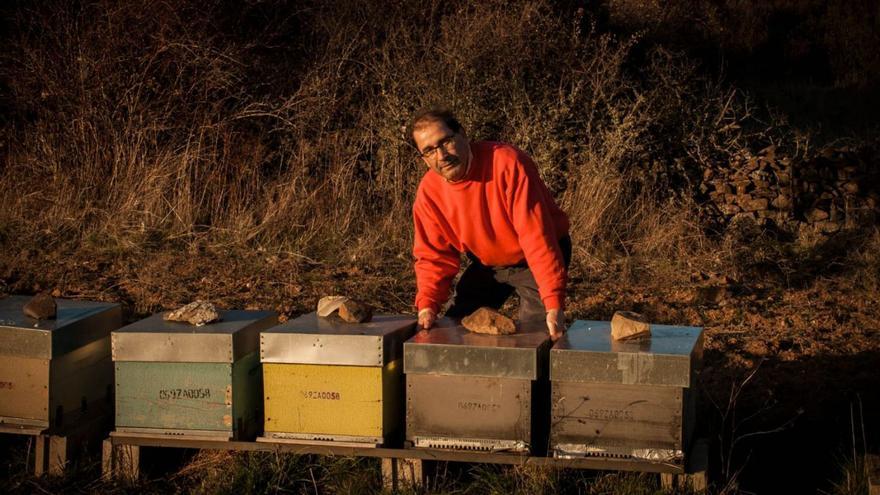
(327, 380)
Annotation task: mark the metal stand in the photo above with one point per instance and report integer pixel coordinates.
(400, 467)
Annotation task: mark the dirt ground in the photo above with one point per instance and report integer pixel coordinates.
(789, 384)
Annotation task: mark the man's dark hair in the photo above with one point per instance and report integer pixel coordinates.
(435, 115)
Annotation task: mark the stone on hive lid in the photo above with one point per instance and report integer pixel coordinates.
(354, 311)
(328, 305)
(626, 325)
(348, 309)
(195, 313)
(41, 307)
(489, 321)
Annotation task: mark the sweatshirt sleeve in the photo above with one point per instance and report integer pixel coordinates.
(437, 261)
(529, 203)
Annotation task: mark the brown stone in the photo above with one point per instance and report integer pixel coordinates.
(816, 215)
(354, 311)
(41, 307)
(783, 178)
(828, 227)
(744, 186)
(755, 204)
(851, 187)
(723, 187)
(730, 209)
(196, 313)
(783, 202)
(769, 152)
(626, 325)
(489, 321)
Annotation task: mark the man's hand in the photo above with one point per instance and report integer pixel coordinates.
(555, 323)
(427, 317)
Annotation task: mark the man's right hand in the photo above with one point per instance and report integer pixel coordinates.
(427, 317)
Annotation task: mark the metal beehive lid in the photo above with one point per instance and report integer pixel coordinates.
(452, 350)
(586, 353)
(313, 340)
(154, 339)
(77, 323)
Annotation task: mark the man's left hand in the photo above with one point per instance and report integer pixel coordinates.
(555, 323)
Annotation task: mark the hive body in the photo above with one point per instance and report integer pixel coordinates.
(52, 372)
(476, 392)
(328, 380)
(176, 379)
(624, 399)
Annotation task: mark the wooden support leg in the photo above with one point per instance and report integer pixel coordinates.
(667, 481)
(397, 473)
(389, 474)
(59, 451)
(692, 481)
(873, 462)
(120, 461)
(41, 454)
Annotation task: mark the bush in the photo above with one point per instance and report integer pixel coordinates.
(282, 125)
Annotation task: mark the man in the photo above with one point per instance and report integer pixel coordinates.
(487, 200)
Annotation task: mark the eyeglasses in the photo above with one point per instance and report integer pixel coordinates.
(448, 143)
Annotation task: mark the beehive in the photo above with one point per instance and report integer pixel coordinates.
(176, 379)
(52, 370)
(328, 380)
(630, 399)
(476, 392)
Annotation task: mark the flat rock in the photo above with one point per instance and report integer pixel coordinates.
(354, 311)
(41, 307)
(489, 321)
(328, 305)
(348, 309)
(196, 313)
(627, 325)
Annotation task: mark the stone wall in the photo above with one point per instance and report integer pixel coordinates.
(834, 190)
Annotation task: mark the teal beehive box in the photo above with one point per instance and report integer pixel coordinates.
(176, 379)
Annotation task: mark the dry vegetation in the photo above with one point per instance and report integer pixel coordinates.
(144, 123)
(256, 154)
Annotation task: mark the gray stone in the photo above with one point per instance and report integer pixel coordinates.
(328, 305)
(196, 313)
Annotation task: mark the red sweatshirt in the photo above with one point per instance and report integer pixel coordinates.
(501, 212)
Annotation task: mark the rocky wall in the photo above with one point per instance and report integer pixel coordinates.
(837, 189)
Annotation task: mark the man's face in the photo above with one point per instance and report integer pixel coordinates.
(445, 152)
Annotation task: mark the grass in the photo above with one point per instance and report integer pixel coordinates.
(215, 125)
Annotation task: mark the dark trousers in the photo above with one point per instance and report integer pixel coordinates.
(482, 285)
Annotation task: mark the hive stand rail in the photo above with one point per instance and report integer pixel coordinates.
(55, 448)
(121, 458)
